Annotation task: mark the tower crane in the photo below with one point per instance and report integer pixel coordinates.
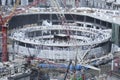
(3, 23)
(4, 19)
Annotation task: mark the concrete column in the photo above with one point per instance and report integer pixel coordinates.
(115, 34)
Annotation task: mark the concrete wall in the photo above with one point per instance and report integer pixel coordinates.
(19, 21)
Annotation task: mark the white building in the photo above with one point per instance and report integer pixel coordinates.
(9, 2)
(3, 2)
(103, 4)
(24, 2)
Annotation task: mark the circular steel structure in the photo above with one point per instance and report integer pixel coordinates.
(59, 42)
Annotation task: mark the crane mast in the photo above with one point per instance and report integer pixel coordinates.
(4, 43)
(4, 20)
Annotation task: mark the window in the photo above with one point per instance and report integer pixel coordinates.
(29, 45)
(89, 26)
(22, 44)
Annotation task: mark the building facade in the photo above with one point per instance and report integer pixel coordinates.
(12, 2)
(103, 4)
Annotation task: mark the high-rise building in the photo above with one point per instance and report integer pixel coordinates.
(3, 2)
(103, 4)
(12, 2)
(24, 2)
(9, 2)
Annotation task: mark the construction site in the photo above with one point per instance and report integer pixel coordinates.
(59, 40)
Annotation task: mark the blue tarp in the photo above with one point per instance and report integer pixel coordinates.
(43, 65)
(52, 66)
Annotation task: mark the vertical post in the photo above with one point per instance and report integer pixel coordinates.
(4, 44)
(13, 48)
(112, 64)
(67, 69)
(83, 76)
(83, 73)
